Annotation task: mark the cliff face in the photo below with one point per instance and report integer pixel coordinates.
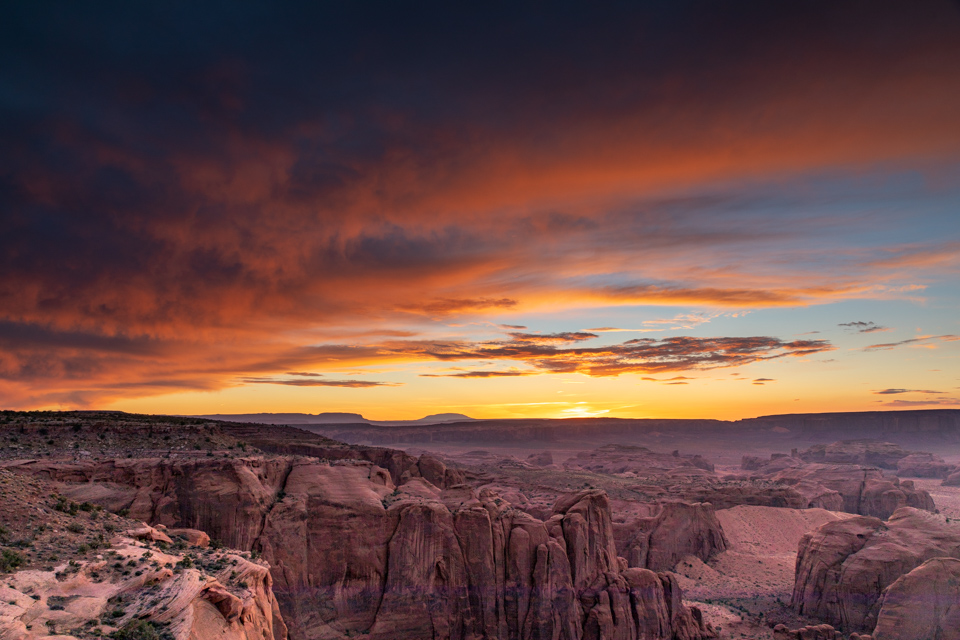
(844, 567)
(852, 488)
(924, 603)
(678, 529)
(350, 552)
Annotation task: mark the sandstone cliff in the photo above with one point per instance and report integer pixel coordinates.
(922, 604)
(843, 567)
(873, 453)
(678, 529)
(351, 552)
(862, 490)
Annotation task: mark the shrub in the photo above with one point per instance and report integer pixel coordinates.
(10, 560)
(138, 630)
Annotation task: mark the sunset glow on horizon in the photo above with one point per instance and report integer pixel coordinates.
(688, 210)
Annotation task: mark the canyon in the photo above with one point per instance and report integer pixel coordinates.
(615, 541)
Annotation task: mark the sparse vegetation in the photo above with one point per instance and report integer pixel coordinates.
(10, 560)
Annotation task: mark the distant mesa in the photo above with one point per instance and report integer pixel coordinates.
(333, 418)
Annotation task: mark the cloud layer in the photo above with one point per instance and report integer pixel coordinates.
(189, 199)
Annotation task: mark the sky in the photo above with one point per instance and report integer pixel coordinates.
(515, 210)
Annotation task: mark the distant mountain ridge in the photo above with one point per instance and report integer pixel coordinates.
(334, 418)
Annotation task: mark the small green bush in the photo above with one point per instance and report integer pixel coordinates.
(137, 630)
(10, 560)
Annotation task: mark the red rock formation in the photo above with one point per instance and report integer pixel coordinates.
(952, 480)
(236, 603)
(924, 465)
(865, 452)
(864, 490)
(350, 553)
(844, 566)
(679, 529)
(922, 604)
(621, 458)
(810, 632)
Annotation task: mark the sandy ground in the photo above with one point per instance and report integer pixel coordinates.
(746, 589)
(947, 499)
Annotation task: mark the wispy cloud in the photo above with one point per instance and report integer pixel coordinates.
(640, 355)
(298, 382)
(864, 327)
(891, 392)
(480, 374)
(932, 402)
(928, 341)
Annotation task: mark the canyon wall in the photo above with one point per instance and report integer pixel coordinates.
(353, 553)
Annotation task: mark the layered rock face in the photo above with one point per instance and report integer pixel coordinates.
(351, 553)
(431, 563)
(922, 604)
(620, 458)
(924, 465)
(678, 529)
(862, 490)
(843, 567)
(873, 453)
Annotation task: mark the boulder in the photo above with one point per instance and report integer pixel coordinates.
(810, 632)
(844, 566)
(193, 537)
(146, 532)
(922, 604)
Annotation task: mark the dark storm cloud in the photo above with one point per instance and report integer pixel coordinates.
(16, 335)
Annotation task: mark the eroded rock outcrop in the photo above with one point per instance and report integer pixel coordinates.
(636, 460)
(863, 490)
(922, 604)
(867, 452)
(352, 553)
(678, 529)
(952, 480)
(924, 465)
(233, 602)
(843, 567)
